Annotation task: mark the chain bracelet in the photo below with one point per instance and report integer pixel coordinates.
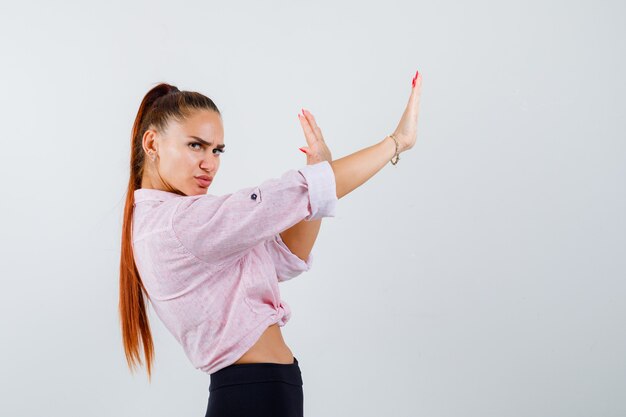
(397, 156)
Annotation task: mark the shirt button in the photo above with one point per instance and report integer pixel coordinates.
(253, 196)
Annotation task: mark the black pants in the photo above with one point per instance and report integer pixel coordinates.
(256, 390)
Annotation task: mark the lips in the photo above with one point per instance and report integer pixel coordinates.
(204, 180)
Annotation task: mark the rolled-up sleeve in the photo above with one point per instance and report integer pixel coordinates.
(219, 229)
(287, 264)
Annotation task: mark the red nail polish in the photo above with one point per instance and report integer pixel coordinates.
(414, 78)
(302, 150)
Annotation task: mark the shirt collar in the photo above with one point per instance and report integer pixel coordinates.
(145, 194)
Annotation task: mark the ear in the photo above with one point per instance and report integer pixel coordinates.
(149, 141)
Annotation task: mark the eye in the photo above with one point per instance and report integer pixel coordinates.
(219, 150)
(196, 143)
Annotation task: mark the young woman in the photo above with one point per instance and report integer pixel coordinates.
(210, 265)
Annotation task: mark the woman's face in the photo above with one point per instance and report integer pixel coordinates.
(184, 152)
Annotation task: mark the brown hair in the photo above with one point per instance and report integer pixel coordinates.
(159, 106)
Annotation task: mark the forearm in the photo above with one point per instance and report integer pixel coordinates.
(350, 172)
(355, 169)
(301, 237)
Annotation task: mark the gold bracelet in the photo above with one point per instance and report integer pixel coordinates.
(397, 156)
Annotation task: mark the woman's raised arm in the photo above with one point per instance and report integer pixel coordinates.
(355, 169)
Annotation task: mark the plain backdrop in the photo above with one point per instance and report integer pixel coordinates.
(481, 276)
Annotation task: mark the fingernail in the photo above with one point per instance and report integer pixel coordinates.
(414, 78)
(302, 150)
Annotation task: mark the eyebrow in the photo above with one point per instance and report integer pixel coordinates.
(220, 146)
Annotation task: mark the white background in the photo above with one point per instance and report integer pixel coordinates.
(481, 276)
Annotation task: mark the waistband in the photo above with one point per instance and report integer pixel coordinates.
(248, 373)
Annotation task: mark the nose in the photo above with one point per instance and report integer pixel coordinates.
(208, 164)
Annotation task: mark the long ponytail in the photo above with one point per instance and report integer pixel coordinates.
(162, 103)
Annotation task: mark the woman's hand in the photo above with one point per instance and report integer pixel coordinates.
(317, 151)
(406, 132)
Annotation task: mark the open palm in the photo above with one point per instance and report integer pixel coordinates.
(316, 151)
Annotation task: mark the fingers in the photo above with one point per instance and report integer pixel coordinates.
(415, 77)
(310, 136)
(310, 118)
(313, 123)
(416, 89)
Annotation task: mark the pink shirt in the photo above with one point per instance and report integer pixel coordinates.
(211, 264)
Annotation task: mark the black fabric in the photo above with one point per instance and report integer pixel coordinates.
(256, 390)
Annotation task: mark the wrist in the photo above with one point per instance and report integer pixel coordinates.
(390, 146)
(395, 146)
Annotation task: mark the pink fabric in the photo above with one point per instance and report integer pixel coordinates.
(211, 264)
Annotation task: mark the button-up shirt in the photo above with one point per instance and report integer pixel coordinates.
(211, 264)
